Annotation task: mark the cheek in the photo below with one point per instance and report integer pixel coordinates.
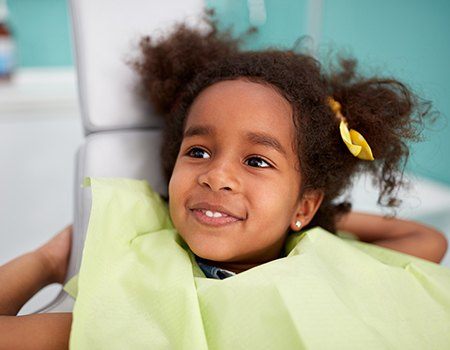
(276, 203)
(176, 190)
(180, 188)
(276, 209)
(177, 181)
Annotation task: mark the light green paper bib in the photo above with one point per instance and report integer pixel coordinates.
(140, 288)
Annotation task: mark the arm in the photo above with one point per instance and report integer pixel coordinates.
(39, 331)
(402, 235)
(20, 279)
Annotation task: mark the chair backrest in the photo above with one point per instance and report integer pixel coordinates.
(124, 134)
(106, 35)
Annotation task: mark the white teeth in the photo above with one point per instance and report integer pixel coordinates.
(211, 214)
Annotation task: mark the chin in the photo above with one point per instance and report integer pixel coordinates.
(211, 253)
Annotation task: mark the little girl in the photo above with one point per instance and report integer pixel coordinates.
(256, 148)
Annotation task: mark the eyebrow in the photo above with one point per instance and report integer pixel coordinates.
(256, 138)
(263, 139)
(198, 130)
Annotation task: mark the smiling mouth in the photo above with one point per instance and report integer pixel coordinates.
(210, 218)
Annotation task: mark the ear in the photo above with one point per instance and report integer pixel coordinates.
(306, 209)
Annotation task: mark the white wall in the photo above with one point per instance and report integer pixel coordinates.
(40, 131)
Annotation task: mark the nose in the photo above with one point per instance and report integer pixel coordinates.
(219, 177)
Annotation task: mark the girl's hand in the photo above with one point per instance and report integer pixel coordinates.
(23, 276)
(55, 254)
(402, 235)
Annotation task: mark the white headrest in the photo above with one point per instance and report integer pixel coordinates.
(107, 34)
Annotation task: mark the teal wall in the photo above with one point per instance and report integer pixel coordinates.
(408, 39)
(284, 22)
(42, 33)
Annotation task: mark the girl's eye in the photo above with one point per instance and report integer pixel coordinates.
(258, 162)
(198, 153)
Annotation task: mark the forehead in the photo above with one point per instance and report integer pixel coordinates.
(235, 107)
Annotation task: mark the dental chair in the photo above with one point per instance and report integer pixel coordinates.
(123, 134)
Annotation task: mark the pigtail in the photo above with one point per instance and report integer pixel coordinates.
(389, 116)
(169, 63)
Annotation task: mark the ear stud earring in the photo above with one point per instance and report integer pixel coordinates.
(298, 224)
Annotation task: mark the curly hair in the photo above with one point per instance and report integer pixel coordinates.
(177, 67)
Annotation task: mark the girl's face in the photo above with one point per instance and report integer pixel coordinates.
(235, 185)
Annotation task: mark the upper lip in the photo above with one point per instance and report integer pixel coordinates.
(215, 207)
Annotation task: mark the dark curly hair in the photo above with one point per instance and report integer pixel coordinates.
(177, 67)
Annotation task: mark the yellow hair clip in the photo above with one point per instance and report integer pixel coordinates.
(355, 142)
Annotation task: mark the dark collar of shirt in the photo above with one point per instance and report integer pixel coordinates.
(213, 271)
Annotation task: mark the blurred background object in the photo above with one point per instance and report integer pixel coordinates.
(40, 123)
(7, 45)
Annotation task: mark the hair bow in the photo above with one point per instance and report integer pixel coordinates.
(355, 142)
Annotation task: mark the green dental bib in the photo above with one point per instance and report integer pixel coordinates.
(140, 288)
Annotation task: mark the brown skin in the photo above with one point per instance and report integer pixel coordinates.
(405, 236)
(252, 180)
(20, 279)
